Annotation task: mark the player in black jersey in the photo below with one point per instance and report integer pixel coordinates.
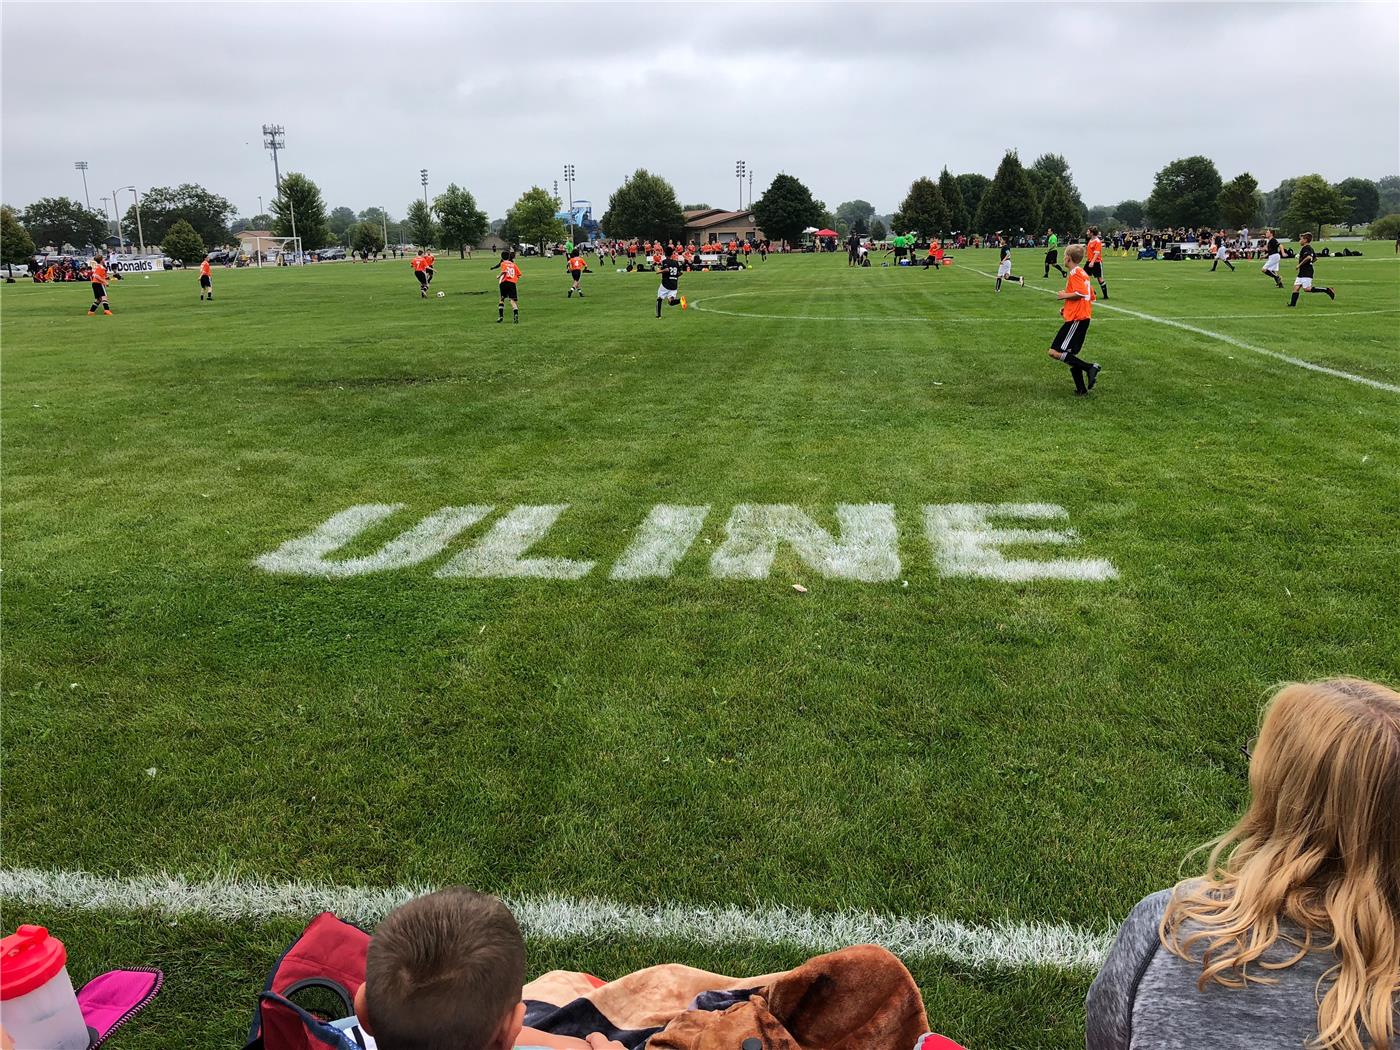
(1270, 267)
(670, 290)
(1304, 280)
(1222, 253)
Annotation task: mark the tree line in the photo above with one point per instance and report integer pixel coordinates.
(188, 219)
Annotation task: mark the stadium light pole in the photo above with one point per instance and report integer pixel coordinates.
(751, 187)
(569, 180)
(260, 204)
(384, 225)
(140, 237)
(82, 166)
(117, 214)
(105, 217)
(739, 172)
(423, 175)
(275, 139)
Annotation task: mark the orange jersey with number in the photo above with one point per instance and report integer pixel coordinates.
(510, 273)
(576, 264)
(1094, 249)
(204, 268)
(99, 273)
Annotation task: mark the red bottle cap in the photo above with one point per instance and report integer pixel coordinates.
(29, 957)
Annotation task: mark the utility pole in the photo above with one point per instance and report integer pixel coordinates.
(82, 166)
(384, 224)
(751, 187)
(260, 206)
(105, 217)
(569, 179)
(139, 236)
(739, 172)
(274, 139)
(117, 214)
(423, 175)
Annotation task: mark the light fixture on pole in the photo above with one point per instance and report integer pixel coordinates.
(274, 140)
(82, 166)
(105, 217)
(739, 173)
(384, 224)
(569, 180)
(751, 187)
(140, 238)
(260, 204)
(117, 215)
(423, 175)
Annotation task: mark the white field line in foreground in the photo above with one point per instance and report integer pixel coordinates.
(1008, 945)
(1230, 340)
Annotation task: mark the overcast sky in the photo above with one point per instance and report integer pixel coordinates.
(856, 100)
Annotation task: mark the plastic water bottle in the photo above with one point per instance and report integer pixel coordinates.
(37, 1005)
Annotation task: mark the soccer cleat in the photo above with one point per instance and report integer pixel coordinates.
(1330, 294)
(1094, 371)
(683, 303)
(107, 312)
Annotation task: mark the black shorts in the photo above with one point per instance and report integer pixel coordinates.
(1052, 256)
(430, 272)
(576, 276)
(899, 253)
(99, 291)
(422, 277)
(204, 281)
(1070, 338)
(509, 291)
(1094, 270)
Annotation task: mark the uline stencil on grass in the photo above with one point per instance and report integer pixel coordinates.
(967, 540)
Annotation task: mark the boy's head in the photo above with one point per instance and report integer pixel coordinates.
(445, 972)
(1074, 254)
(1093, 231)
(1306, 238)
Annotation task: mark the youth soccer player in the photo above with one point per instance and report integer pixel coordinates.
(670, 289)
(1222, 253)
(420, 271)
(507, 281)
(1304, 280)
(1270, 267)
(1052, 254)
(1093, 252)
(206, 281)
(99, 287)
(428, 259)
(577, 268)
(1078, 308)
(1004, 268)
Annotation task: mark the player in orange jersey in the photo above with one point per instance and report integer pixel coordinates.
(206, 281)
(1094, 253)
(507, 282)
(576, 268)
(99, 287)
(1078, 308)
(420, 271)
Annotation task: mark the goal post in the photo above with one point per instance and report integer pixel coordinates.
(278, 246)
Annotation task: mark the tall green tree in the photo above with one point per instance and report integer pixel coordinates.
(1184, 193)
(261, 221)
(1390, 195)
(857, 215)
(922, 209)
(645, 205)
(461, 222)
(972, 185)
(1365, 197)
(533, 218)
(182, 243)
(56, 221)
(1009, 203)
(1276, 202)
(340, 220)
(1239, 201)
(300, 204)
(1058, 211)
(367, 237)
(422, 230)
(1048, 167)
(877, 230)
(162, 206)
(695, 207)
(1131, 212)
(16, 246)
(786, 208)
(1313, 204)
(948, 189)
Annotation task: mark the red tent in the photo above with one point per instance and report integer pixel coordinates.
(826, 233)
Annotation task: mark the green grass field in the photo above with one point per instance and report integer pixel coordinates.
(978, 750)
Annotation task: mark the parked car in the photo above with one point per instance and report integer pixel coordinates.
(327, 254)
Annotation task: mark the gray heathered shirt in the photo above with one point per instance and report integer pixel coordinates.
(1145, 997)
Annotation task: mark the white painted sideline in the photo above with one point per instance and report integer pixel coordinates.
(1008, 945)
(1231, 340)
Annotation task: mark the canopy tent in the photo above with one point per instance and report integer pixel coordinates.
(810, 229)
(826, 233)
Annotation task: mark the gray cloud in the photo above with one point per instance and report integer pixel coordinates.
(856, 99)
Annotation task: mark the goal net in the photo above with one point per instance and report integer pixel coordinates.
(277, 251)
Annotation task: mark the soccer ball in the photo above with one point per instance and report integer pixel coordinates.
(442, 295)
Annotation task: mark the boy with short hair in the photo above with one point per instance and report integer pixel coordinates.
(1270, 267)
(1093, 252)
(1078, 299)
(445, 972)
(576, 268)
(1304, 280)
(99, 287)
(1222, 252)
(206, 281)
(1052, 254)
(1004, 268)
(507, 283)
(420, 271)
(670, 289)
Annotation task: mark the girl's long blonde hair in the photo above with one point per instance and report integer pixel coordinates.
(1319, 846)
